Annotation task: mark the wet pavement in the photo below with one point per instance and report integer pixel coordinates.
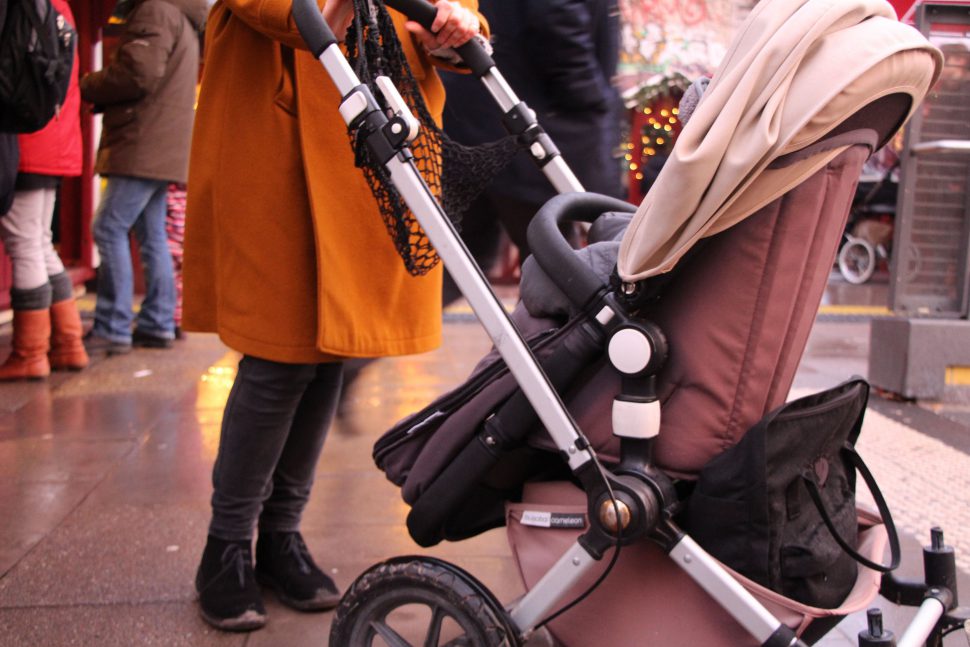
(104, 483)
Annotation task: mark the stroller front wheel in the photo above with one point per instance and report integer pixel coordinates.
(420, 601)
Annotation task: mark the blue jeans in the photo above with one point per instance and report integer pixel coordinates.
(133, 204)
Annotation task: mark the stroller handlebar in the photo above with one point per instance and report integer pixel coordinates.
(553, 252)
(419, 11)
(473, 53)
(312, 27)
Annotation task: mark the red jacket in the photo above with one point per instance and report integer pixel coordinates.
(55, 149)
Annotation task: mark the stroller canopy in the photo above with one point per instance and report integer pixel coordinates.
(794, 73)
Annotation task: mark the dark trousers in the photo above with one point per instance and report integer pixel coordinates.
(273, 428)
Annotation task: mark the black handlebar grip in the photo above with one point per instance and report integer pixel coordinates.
(315, 31)
(472, 53)
(555, 255)
(419, 11)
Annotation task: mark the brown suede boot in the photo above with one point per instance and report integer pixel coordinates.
(67, 350)
(31, 339)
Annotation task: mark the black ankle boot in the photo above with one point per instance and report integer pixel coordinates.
(283, 564)
(229, 598)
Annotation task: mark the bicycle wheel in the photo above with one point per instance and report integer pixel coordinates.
(857, 260)
(420, 602)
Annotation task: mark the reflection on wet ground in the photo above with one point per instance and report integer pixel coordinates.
(104, 485)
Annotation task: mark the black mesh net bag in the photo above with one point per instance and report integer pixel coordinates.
(455, 173)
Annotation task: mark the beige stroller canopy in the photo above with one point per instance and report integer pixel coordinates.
(791, 73)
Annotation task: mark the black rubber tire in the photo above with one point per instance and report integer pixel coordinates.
(857, 261)
(447, 590)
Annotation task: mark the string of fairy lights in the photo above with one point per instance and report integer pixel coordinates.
(657, 134)
(653, 127)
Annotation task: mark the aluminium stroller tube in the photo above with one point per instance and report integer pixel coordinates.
(518, 118)
(358, 105)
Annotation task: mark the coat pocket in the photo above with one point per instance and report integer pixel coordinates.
(285, 96)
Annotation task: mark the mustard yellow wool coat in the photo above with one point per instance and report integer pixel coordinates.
(286, 256)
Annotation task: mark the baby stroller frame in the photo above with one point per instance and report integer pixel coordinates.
(636, 500)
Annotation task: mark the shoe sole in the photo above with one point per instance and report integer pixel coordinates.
(323, 602)
(248, 621)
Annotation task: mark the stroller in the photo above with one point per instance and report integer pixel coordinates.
(698, 304)
(869, 230)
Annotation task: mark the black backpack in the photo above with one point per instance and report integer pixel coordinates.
(36, 57)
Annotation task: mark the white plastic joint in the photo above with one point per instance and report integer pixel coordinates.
(636, 419)
(630, 351)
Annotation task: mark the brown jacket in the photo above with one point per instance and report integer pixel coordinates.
(147, 92)
(286, 255)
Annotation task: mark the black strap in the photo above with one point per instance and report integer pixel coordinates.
(810, 482)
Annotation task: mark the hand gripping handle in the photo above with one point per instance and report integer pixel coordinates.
(423, 13)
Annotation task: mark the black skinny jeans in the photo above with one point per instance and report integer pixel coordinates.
(273, 428)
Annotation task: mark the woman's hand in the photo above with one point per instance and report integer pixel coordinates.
(338, 14)
(454, 25)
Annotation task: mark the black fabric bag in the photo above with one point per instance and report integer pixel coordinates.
(779, 507)
(36, 59)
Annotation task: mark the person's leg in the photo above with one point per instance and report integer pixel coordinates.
(21, 229)
(516, 216)
(30, 294)
(480, 233)
(283, 561)
(175, 232)
(66, 350)
(156, 317)
(121, 205)
(293, 476)
(259, 414)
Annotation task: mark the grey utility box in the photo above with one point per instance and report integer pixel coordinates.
(929, 289)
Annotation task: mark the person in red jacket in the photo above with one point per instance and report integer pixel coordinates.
(46, 323)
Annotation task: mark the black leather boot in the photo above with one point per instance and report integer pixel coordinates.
(284, 565)
(229, 598)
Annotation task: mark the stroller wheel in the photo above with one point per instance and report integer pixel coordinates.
(418, 601)
(857, 260)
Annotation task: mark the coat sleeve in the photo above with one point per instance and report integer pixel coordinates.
(141, 59)
(560, 41)
(273, 18)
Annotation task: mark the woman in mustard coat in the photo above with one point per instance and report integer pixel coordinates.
(288, 260)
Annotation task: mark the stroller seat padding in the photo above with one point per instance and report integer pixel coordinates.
(738, 317)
